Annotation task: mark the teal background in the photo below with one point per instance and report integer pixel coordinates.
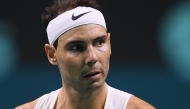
(150, 51)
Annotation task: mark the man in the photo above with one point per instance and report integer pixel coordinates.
(80, 46)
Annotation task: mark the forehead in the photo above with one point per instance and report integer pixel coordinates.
(83, 32)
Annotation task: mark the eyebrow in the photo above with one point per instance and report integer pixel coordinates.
(74, 42)
(101, 37)
(80, 41)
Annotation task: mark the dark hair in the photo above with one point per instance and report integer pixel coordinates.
(61, 6)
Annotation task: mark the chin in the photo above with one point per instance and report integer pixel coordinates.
(95, 86)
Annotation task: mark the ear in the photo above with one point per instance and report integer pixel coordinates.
(50, 51)
(109, 41)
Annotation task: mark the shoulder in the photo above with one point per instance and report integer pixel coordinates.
(137, 103)
(29, 105)
(45, 100)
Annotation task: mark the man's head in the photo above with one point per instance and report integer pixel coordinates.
(61, 6)
(83, 51)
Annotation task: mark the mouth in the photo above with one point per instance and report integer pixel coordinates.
(93, 76)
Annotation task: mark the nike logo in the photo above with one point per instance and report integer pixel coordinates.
(76, 17)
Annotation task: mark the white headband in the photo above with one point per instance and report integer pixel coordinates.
(73, 18)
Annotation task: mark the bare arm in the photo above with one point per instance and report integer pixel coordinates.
(137, 103)
(29, 105)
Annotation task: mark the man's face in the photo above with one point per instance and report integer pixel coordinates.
(83, 55)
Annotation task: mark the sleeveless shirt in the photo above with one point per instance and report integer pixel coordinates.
(116, 99)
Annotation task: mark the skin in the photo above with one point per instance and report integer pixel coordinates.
(88, 53)
(82, 51)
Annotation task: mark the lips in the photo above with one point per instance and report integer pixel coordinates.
(92, 74)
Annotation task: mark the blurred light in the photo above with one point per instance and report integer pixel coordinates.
(175, 39)
(8, 50)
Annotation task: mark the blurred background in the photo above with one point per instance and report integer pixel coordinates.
(150, 51)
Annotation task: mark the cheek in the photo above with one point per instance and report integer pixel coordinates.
(67, 70)
(105, 57)
(69, 63)
(105, 51)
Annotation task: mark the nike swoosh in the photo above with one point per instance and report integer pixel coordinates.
(76, 17)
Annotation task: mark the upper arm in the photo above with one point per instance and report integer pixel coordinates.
(137, 103)
(29, 105)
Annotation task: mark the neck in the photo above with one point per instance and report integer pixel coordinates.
(71, 98)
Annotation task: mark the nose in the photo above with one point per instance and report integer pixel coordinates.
(91, 56)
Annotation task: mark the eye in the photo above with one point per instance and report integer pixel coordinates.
(77, 47)
(99, 42)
